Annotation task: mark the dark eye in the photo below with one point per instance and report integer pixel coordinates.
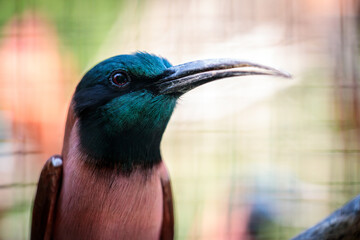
(119, 79)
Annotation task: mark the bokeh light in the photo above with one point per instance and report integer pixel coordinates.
(250, 157)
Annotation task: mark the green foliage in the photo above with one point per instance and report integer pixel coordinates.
(81, 24)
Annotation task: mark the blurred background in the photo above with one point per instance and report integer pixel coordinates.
(250, 158)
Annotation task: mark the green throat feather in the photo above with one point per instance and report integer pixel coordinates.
(127, 130)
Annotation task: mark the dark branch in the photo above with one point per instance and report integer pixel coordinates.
(344, 223)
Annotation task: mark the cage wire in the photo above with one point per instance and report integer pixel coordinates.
(245, 155)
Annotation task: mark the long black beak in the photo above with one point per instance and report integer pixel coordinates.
(184, 77)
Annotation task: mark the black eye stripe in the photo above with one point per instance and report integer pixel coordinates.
(119, 79)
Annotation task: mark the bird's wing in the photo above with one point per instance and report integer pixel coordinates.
(45, 200)
(167, 229)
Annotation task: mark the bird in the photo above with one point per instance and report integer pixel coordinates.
(110, 181)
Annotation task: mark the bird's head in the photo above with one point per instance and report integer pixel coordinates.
(125, 102)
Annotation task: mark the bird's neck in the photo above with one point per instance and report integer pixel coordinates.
(124, 141)
(125, 151)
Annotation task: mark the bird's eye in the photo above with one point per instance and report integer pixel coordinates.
(119, 79)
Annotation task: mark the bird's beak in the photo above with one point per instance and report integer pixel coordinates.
(184, 77)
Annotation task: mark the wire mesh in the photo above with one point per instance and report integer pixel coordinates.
(248, 157)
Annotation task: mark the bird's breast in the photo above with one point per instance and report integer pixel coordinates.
(109, 207)
(105, 204)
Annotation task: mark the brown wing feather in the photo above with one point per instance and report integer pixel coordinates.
(45, 200)
(167, 229)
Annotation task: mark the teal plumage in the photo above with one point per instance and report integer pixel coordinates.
(129, 122)
(143, 122)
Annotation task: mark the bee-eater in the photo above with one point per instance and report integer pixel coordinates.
(110, 181)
